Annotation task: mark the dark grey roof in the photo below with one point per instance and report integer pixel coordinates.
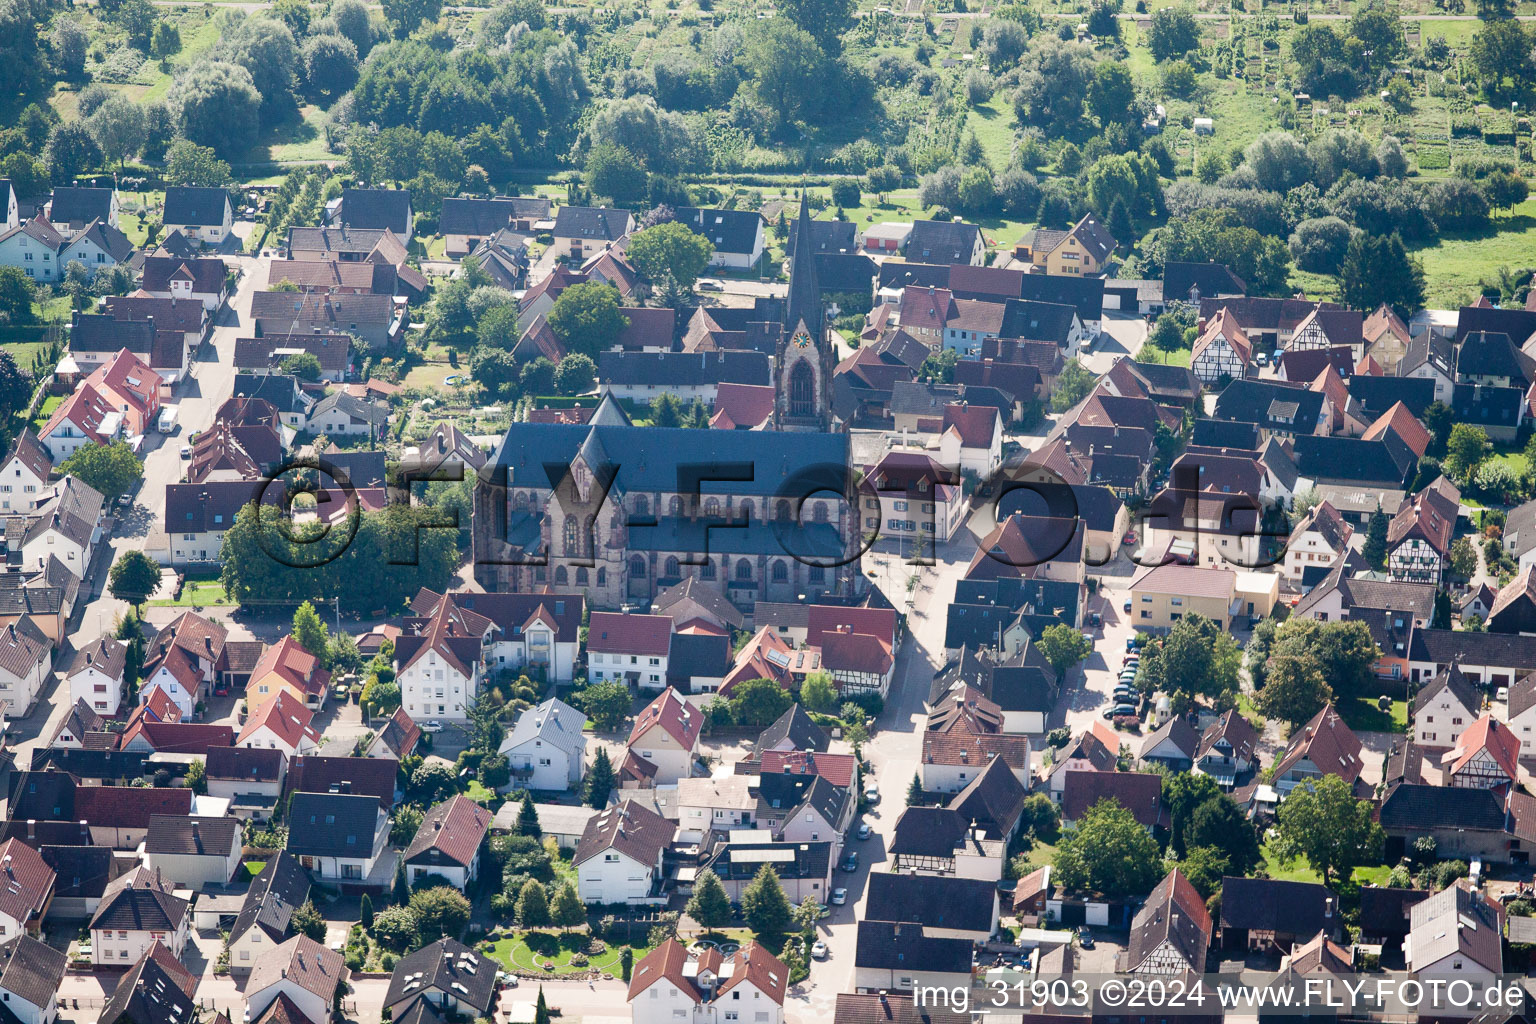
(797, 727)
(683, 369)
(150, 994)
(195, 206)
(376, 414)
(377, 208)
(698, 654)
(1268, 904)
(993, 800)
(1461, 688)
(1485, 406)
(959, 904)
(887, 945)
(1037, 321)
(942, 241)
(102, 333)
(31, 970)
(898, 274)
(1384, 462)
(43, 795)
(1234, 434)
(1084, 293)
(1179, 731)
(269, 903)
(1411, 807)
(139, 901)
(465, 215)
(1492, 354)
(1274, 406)
(107, 765)
(185, 835)
(1428, 349)
(332, 824)
(1384, 911)
(592, 222)
(1518, 323)
(842, 273)
(279, 390)
(340, 239)
(730, 231)
(828, 237)
(929, 832)
(1206, 280)
(72, 205)
(1378, 394)
(1503, 650)
(80, 872)
(450, 967)
(811, 860)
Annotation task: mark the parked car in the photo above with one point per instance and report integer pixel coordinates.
(1125, 709)
(1095, 619)
(1084, 937)
(432, 726)
(1502, 693)
(872, 793)
(865, 831)
(1127, 607)
(851, 862)
(186, 451)
(819, 950)
(839, 897)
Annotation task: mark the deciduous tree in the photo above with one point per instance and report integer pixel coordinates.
(134, 576)
(1324, 823)
(1109, 852)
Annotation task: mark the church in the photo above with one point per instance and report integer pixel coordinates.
(623, 512)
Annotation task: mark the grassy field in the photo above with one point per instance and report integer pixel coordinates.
(1153, 354)
(1454, 265)
(1362, 714)
(1299, 871)
(197, 593)
(45, 410)
(530, 951)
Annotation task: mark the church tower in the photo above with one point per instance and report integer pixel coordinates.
(805, 357)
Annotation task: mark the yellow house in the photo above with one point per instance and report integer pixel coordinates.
(1085, 248)
(1166, 593)
(287, 666)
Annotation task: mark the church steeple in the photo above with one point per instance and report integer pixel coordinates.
(804, 302)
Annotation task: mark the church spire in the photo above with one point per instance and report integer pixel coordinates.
(804, 302)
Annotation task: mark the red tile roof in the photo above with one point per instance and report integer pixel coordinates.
(976, 424)
(129, 806)
(837, 769)
(294, 665)
(29, 880)
(877, 622)
(1487, 733)
(681, 720)
(615, 632)
(454, 827)
(286, 716)
(742, 406)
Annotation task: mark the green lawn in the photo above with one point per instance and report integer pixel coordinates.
(45, 410)
(1153, 354)
(1453, 264)
(254, 867)
(1298, 871)
(1361, 714)
(477, 792)
(529, 951)
(197, 593)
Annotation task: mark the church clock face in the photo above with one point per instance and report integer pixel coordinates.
(801, 340)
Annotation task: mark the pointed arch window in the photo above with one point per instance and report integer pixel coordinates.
(802, 390)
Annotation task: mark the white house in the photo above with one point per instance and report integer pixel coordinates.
(182, 661)
(96, 677)
(201, 213)
(26, 658)
(666, 737)
(10, 209)
(1223, 350)
(1318, 540)
(27, 891)
(618, 859)
(736, 236)
(1457, 931)
(281, 722)
(533, 630)
(31, 973)
(262, 923)
(670, 986)
(337, 835)
(715, 804)
(448, 843)
(138, 909)
(629, 648)
(438, 669)
(342, 414)
(899, 957)
(546, 747)
(301, 969)
(251, 780)
(24, 473)
(1444, 708)
(972, 439)
(193, 852)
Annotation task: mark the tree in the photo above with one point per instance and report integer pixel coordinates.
(532, 905)
(1294, 689)
(1343, 651)
(825, 20)
(399, 891)
(296, 14)
(1072, 386)
(1323, 822)
(670, 248)
(405, 823)
(303, 365)
(1318, 245)
(71, 151)
(1505, 190)
(495, 771)
(440, 911)
(1182, 793)
(352, 20)
(266, 48)
(1501, 57)
(395, 927)
(710, 905)
(1053, 83)
(1205, 867)
(330, 64)
(118, 127)
(1112, 94)
(541, 1014)
(1376, 270)
(600, 780)
(764, 904)
(792, 956)
(309, 631)
(528, 818)
(759, 702)
(220, 107)
(566, 909)
(1464, 452)
(17, 293)
(846, 192)
(165, 41)
(187, 163)
(1064, 647)
(606, 703)
(432, 781)
(575, 374)
(365, 912)
(915, 791)
(16, 384)
(1196, 660)
(112, 469)
(1174, 33)
(1375, 549)
(614, 171)
(197, 772)
(70, 47)
(1003, 42)
(586, 317)
(818, 693)
(406, 16)
(1463, 557)
(134, 576)
(306, 920)
(1109, 852)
